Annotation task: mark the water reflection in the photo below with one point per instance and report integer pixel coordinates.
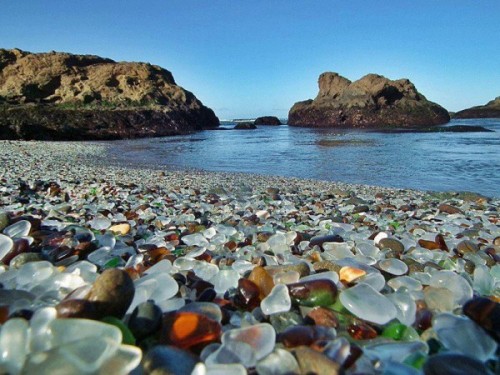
(430, 161)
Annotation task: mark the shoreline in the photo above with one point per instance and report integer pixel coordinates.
(88, 153)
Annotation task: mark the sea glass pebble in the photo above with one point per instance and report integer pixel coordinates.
(277, 301)
(462, 335)
(261, 337)
(20, 229)
(366, 303)
(6, 245)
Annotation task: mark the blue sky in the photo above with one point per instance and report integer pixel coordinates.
(251, 58)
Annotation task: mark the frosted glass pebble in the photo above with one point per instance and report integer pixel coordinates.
(423, 277)
(229, 369)
(82, 356)
(261, 337)
(367, 303)
(40, 330)
(106, 240)
(278, 243)
(460, 334)
(100, 256)
(460, 288)
(209, 232)
(367, 249)
(328, 275)
(277, 301)
(34, 272)
(6, 244)
(483, 281)
(393, 266)
(235, 352)
(224, 280)
(279, 362)
(395, 351)
(225, 229)
(17, 230)
(163, 265)
(124, 361)
(439, 299)
(288, 277)
(337, 253)
(100, 223)
(405, 305)
(195, 239)
(184, 264)
(196, 252)
(164, 286)
(171, 304)
(205, 271)
(374, 279)
(14, 336)
(406, 282)
(242, 266)
(64, 331)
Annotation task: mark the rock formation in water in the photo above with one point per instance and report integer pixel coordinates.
(267, 120)
(245, 126)
(372, 101)
(489, 110)
(61, 96)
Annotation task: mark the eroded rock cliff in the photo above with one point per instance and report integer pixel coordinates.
(65, 96)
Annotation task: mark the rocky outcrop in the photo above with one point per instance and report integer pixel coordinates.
(372, 101)
(267, 120)
(65, 96)
(245, 126)
(489, 110)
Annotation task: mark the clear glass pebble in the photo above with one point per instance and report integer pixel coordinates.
(483, 284)
(439, 299)
(407, 282)
(462, 335)
(261, 337)
(367, 303)
(224, 280)
(393, 266)
(14, 336)
(205, 271)
(395, 351)
(288, 277)
(235, 352)
(100, 223)
(375, 279)
(405, 305)
(277, 301)
(17, 230)
(6, 245)
(34, 273)
(196, 239)
(279, 362)
(328, 275)
(229, 369)
(164, 286)
(460, 288)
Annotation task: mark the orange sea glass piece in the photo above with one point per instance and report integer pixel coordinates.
(188, 329)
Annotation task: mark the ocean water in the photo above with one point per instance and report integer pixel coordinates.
(426, 161)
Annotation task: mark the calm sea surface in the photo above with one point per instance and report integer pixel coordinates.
(427, 161)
